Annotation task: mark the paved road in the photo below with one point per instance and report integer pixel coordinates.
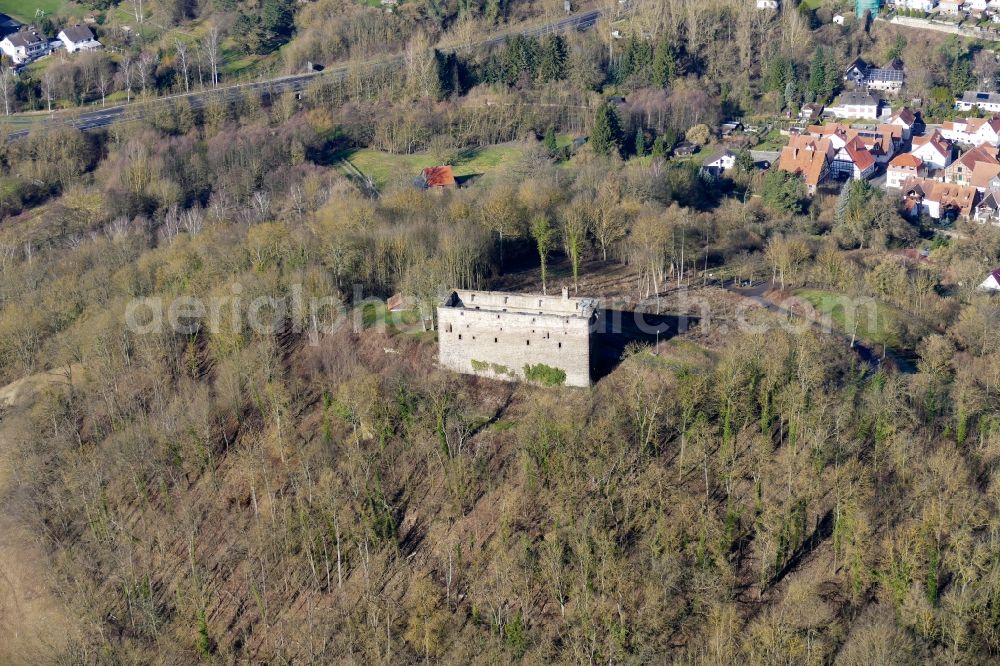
(113, 114)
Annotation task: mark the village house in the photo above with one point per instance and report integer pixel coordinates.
(686, 149)
(854, 160)
(808, 157)
(887, 79)
(888, 139)
(987, 101)
(988, 210)
(811, 112)
(926, 6)
(938, 200)
(933, 149)
(951, 7)
(906, 120)
(856, 72)
(24, 46)
(972, 131)
(855, 104)
(838, 19)
(720, 162)
(78, 38)
(992, 281)
(504, 335)
(728, 129)
(882, 142)
(975, 167)
(438, 177)
(902, 168)
(977, 6)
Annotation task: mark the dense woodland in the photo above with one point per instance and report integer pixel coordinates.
(325, 494)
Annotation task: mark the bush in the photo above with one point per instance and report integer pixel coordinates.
(545, 374)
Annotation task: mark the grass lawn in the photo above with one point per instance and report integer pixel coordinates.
(24, 10)
(877, 322)
(773, 140)
(811, 4)
(385, 168)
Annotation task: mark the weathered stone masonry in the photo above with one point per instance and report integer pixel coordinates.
(497, 334)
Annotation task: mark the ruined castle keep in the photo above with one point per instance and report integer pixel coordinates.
(517, 336)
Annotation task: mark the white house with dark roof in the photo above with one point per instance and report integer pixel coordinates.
(885, 79)
(720, 162)
(24, 46)
(987, 101)
(856, 105)
(988, 210)
(906, 119)
(78, 38)
(888, 79)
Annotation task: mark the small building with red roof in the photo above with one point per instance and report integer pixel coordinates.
(436, 177)
(807, 157)
(903, 167)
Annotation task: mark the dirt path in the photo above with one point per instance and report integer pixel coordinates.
(35, 625)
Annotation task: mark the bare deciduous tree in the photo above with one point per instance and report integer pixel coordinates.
(144, 66)
(6, 87)
(48, 81)
(103, 84)
(210, 46)
(126, 73)
(137, 10)
(181, 49)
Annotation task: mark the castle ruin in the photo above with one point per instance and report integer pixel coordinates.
(517, 336)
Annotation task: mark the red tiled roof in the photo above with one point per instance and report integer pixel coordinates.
(439, 176)
(807, 156)
(982, 174)
(962, 197)
(906, 161)
(984, 154)
(859, 154)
